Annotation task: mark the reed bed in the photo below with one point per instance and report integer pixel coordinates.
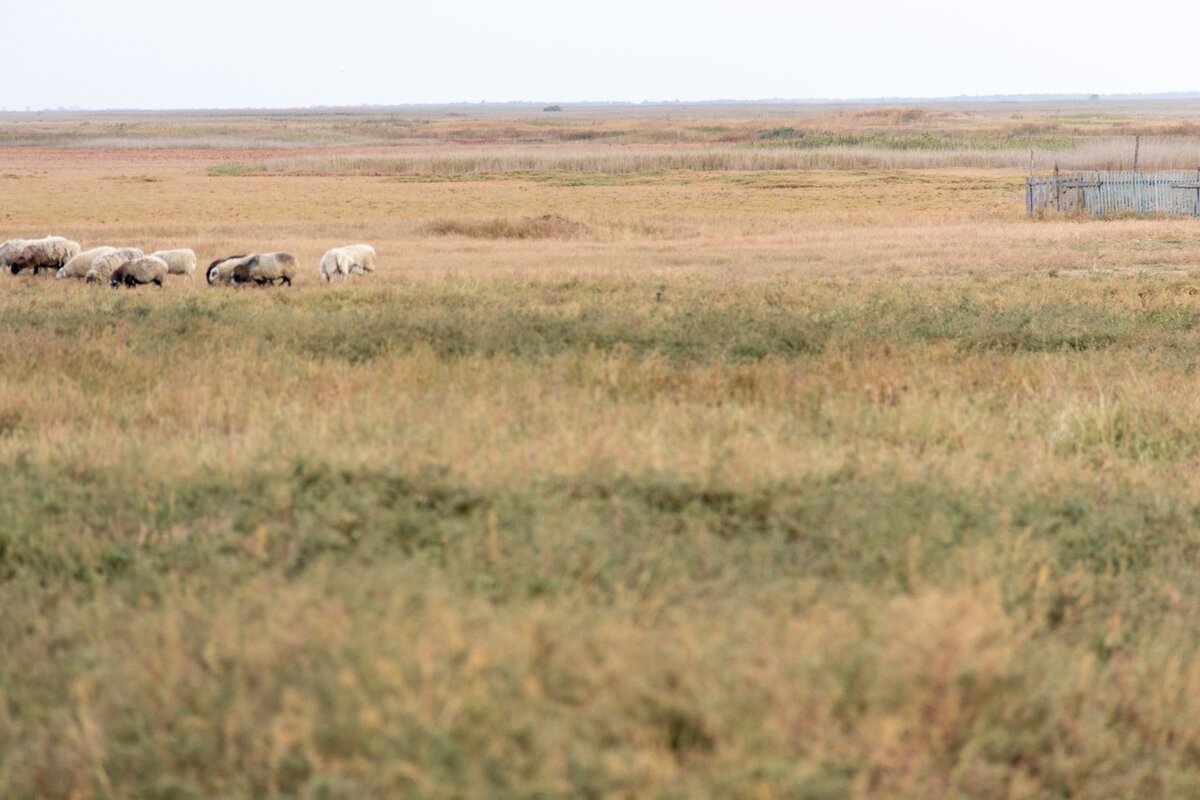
(1155, 153)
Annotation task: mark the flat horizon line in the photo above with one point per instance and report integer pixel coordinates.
(1087, 97)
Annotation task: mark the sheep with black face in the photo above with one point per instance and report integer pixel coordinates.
(139, 272)
(102, 268)
(10, 251)
(265, 268)
(50, 253)
(221, 270)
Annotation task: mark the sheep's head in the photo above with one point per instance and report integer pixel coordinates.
(62, 273)
(214, 274)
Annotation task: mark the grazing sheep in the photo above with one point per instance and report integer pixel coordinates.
(10, 250)
(342, 262)
(78, 266)
(364, 258)
(102, 268)
(51, 252)
(266, 268)
(139, 271)
(336, 264)
(179, 262)
(221, 270)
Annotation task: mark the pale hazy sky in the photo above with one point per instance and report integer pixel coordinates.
(272, 53)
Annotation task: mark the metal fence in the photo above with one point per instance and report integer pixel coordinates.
(1103, 194)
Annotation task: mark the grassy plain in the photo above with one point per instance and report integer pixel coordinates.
(643, 482)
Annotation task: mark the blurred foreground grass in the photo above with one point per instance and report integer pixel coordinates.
(489, 537)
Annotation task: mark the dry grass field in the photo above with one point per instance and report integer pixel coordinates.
(681, 452)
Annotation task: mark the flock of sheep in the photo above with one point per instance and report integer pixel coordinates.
(130, 266)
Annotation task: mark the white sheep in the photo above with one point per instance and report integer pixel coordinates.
(221, 270)
(140, 271)
(51, 252)
(179, 262)
(342, 262)
(336, 264)
(364, 258)
(102, 268)
(264, 268)
(78, 266)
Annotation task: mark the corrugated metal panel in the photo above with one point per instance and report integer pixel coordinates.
(1106, 193)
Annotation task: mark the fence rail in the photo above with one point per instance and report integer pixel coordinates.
(1107, 193)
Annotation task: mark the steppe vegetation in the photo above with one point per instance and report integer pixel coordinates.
(620, 478)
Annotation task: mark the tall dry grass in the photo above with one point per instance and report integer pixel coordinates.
(623, 160)
(781, 484)
(849, 536)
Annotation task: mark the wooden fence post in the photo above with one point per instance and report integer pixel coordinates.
(1029, 187)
